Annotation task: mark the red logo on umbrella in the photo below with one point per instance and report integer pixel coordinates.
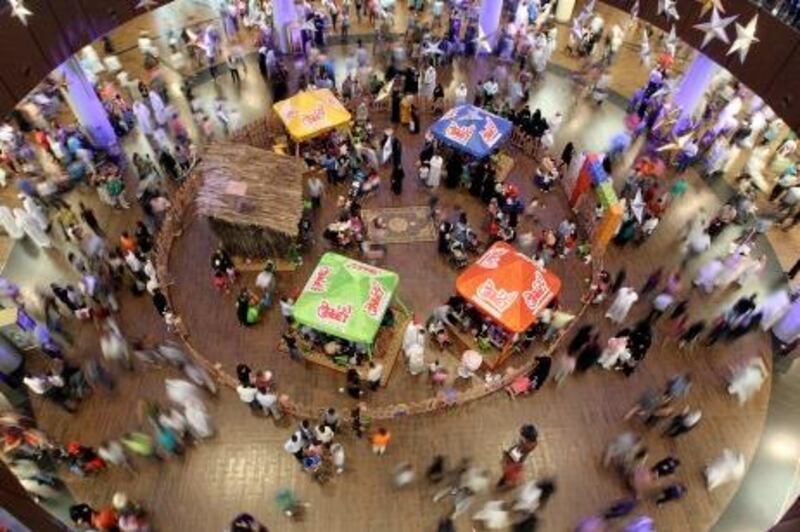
(339, 314)
(460, 134)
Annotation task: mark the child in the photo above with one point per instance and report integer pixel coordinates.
(380, 440)
(220, 281)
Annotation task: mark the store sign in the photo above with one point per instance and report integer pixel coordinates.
(490, 134)
(319, 280)
(491, 259)
(376, 300)
(335, 314)
(459, 134)
(538, 295)
(497, 300)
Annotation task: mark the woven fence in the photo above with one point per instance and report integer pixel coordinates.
(444, 400)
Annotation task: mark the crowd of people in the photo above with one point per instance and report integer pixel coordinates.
(102, 267)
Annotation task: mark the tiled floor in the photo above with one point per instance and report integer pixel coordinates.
(244, 466)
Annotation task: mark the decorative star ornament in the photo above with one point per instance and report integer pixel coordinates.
(708, 5)
(19, 11)
(671, 40)
(146, 4)
(745, 37)
(715, 28)
(634, 13)
(668, 9)
(483, 41)
(431, 48)
(677, 144)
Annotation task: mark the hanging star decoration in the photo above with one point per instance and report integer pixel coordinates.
(715, 28)
(745, 37)
(634, 13)
(671, 41)
(431, 48)
(708, 5)
(677, 144)
(668, 9)
(146, 4)
(19, 11)
(483, 41)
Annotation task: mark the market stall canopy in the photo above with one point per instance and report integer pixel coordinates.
(346, 298)
(472, 130)
(310, 113)
(508, 286)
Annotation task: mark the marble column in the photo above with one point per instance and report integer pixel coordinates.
(564, 10)
(693, 84)
(87, 107)
(285, 13)
(489, 23)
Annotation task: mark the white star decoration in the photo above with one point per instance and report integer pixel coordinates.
(19, 11)
(745, 37)
(676, 145)
(484, 45)
(635, 9)
(669, 9)
(715, 28)
(146, 4)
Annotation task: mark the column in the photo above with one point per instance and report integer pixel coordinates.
(693, 84)
(285, 12)
(564, 10)
(489, 23)
(87, 107)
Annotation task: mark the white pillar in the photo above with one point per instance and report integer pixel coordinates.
(489, 21)
(564, 10)
(285, 14)
(87, 107)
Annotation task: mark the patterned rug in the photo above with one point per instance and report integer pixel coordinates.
(405, 224)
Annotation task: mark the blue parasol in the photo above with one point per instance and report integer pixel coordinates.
(472, 130)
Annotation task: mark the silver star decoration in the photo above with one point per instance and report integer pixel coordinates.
(483, 41)
(19, 11)
(432, 48)
(635, 9)
(671, 40)
(667, 88)
(146, 4)
(677, 144)
(745, 37)
(669, 9)
(715, 28)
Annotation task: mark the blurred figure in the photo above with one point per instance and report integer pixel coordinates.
(404, 475)
(727, 467)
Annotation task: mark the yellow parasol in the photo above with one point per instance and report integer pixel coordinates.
(307, 114)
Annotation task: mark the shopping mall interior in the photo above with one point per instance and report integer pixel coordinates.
(402, 265)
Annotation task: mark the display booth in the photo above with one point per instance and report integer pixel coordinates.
(592, 176)
(348, 300)
(308, 114)
(506, 287)
(253, 199)
(472, 130)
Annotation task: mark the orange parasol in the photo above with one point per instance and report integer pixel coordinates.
(508, 286)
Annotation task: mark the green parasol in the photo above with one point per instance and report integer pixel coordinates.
(346, 298)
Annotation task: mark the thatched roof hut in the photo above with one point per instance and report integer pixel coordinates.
(253, 198)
